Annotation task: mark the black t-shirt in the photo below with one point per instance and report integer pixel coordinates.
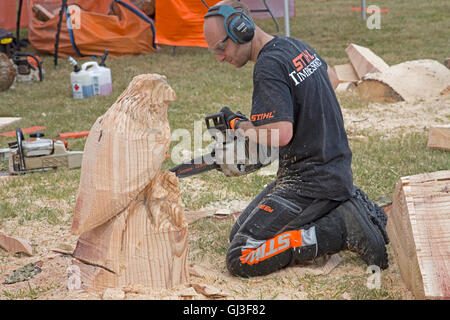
(291, 83)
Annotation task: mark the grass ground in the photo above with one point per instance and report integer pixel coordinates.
(45, 201)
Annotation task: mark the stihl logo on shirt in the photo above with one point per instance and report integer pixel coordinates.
(262, 116)
(274, 246)
(305, 65)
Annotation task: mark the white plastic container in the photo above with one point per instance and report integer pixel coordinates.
(81, 82)
(101, 78)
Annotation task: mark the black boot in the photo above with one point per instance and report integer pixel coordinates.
(362, 236)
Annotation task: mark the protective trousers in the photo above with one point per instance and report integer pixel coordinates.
(279, 228)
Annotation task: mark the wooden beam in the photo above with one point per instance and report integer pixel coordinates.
(419, 229)
(439, 137)
(364, 61)
(346, 73)
(128, 212)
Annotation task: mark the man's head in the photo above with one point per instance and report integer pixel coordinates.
(229, 32)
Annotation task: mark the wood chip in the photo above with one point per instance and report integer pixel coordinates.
(113, 294)
(187, 294)
(209, 291)
(15, 244)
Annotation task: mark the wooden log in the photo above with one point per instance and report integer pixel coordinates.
(333, 77)
(419, 229)
(128, 212)
(364, 61)
(439, 137)
(346, 73)
(15, 244)
(407, 81)
(7, 72)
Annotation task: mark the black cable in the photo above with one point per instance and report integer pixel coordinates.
(58, 31)
(205, 4)
(19, 13)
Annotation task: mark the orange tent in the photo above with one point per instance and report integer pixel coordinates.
(91, 27)
(8, 15)
(180, 22)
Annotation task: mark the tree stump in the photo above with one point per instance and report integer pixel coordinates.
(128, 212)
(7, 72)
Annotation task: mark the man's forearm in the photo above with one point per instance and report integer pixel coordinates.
(271, 134)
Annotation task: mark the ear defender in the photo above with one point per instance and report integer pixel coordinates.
(239, 28)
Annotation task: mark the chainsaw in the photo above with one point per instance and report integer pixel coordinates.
(231, 154)
(29, 67)
(37, 155)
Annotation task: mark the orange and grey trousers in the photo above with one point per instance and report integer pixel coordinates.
(280, 228)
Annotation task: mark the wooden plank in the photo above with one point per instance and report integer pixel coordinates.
(14, 244)
(128, 212)
(419, 229)
(346, 73)
(6, 121)
(439, 137)
(364, 61)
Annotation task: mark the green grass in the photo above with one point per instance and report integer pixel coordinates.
(29, 293)
(411, 30)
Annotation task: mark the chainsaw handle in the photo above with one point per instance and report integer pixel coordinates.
(20, 138)
(216, 121)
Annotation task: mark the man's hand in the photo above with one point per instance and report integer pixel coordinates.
(232, 118)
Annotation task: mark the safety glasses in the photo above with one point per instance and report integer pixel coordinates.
(220, 46)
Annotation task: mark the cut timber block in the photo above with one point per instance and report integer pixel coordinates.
(408, 81)
(14, 244)
(364, 61)
(439, 137)
(419, 229)
(128, 212)
(346, 73)
(5, 121)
